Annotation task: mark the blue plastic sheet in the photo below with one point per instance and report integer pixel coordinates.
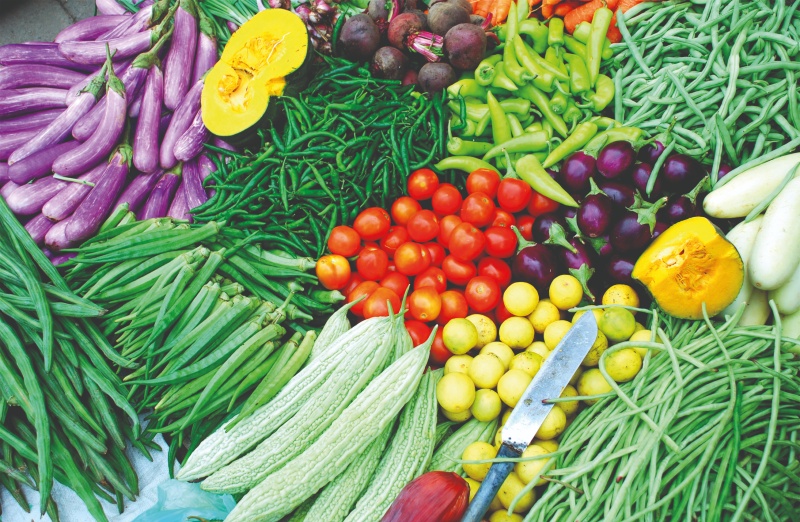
(177, 501)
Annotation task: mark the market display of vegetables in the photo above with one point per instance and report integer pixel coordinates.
(324, 255)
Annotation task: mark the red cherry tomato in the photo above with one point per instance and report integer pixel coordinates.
(371, 245)
(482, 293)
(478, 209)
(483, 180)
(446, 200)
(466, 242)
(503, 218)
(377, 304)
(454, 306)
(333, 271)
(396, 236)
(344, 241)
(411, 258)
(418, 331)
(437, 253)
(501, 313)
(439, 352)
(425, 304)
(366, 288)
(432, 277)
(541, 205)
(423, 226)
(446, 226)
(372, 264)
(458, 272)
(403, 208)
(353, 282)
(525, 226)
(372, 223)
(513, 195)
(422, 184)
(497, 269)
(500, 242)
(396, 282)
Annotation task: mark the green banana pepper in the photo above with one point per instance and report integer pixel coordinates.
(465, 163)
(484, 72)
(574, 46)
(467, 88)
(516, 126)
(501, 129)
(601, 21)
(631, 134)
(558, 102)
(533, 61)
(581, 33)
(501, 79)
(582, 134)
(555, 35)
(578, 74)
(528, 142)
(512, 68)
(540, 100)
(537, 31)
(459, 147)
(602, 95)
(530, 169)
(476, 111)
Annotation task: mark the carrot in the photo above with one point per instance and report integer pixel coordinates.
(547, 11)
(482, 7)
(585, 13)
(613, 33)
(624, 5)
(551, 2)
(565, 7)
(500, 11)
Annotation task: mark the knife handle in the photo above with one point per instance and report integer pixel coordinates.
(490, 485)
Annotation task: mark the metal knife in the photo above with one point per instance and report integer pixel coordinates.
(528, 415)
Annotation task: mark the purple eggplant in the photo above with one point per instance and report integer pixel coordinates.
(650, 152)
(93, 210)
(179, 209)
(577, 257)
(29, 122)
(77, 89)
(12, 141)
(29, 199)
(63, 204)
(206, 54)
(138, 190)
(681, 173)
(62, 258)
(56, 238)
(93, 150)
(110, 7)
(160, 198)
(619, 268)
(181, 120)
(543, 224)
(222, 144)
(44, 54)
(16, 76)
(724, 169)
(620, 193)
(38, 164)
(134, 24)
(3, 172)
(193, 185)
(595, 214)
(615, 159)
(7, 189)
(190, 144)
(205, 167)
(659, 229)
(641, 176)
(38, 227)
(94, 53)
(534, 263)
(576, 171)
(136, 106)
(146, 137)
(163, 124)
(677, 209)
(20, 101)
(90, 28)
(180, 58)
(634, 230)
(602, 245)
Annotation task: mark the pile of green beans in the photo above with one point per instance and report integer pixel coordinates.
(708, 430)
(723, 73)
(63, 410)
(202, 311)
(349, 142)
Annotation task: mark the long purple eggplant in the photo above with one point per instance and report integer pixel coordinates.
(33, 99)
(93, 210)
(94, 53)
(145, 139)
(60, 128)
(56, 238)
(180, 58)
(204, 168)
(137, 23)
(222, 144)
(3, 172)
(193, 185)
(39, 164)
(16, 76)
(11, 141)
(110, 7)
(90, 28)
(160, 197)
(31, 121)
(138, 190)
(7, 189)
(135, 106)
(77, 89)
(105, 137)
(163, 124)
(63, 204)
(179, 209)
(29, 199)
(190, 144)
(44, 54)
(38, 227)
(206, 55)
(181, 120)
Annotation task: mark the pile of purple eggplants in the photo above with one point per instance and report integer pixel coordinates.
(402, 42)
(107, 114)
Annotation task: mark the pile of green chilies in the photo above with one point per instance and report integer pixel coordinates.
(723, 73)
(349, 142)
(63, 410)
(708, 430)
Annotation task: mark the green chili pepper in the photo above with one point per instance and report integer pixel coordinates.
(602, 95)
(467, 88)
(501, 130)
(578, 74)
(530, 170)
(516, 126)
(574, 46)
(594, 47)
(558, 102)
(512, 68)
(465, 163)
(501, 79)
(555, 35)
(484, 73)
(540, 100)
(536, 30)
(579, 137)
(533, 61)
(459, 147)
(535, 141)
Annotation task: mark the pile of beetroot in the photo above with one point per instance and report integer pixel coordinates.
(403, 42)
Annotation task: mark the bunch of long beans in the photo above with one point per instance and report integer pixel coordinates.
(708, 430)
(63, 410)
(723, 73)
(349, 142)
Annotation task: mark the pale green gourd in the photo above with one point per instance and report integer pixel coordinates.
(335, 327)
(445, 457)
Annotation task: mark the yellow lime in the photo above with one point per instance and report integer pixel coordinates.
(501, 350)
(598, 347)
(529, 470)
(487, 331)
(598, 313)
(550, 446)
(592, 382)
(455, 392)
(459, 336)
(618, 324)
(505, 416)
(570, 407)
(539, 348)
(473, 487)
(544, 314)
(620, 295)
(457, 364)
(554, 332)
(623, 365)
(565, 292)
(487, 405)
(512, 385)
(464, 416)
(478, 451)
(512, 487)
(485, 370)
(554, 424)
(642, 335)
(503, 516)
(528, 362)
(516, 332)
(520, 299)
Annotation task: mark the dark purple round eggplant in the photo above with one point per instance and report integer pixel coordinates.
(621, 194)
(724, 170)
(681, 173)
(542, 224)
(677, 209)
(594, 214)
(628, 235)
(535, 264)
(659, 229)
(619, 269)
(651, 152)
(640, 176)
(602, 245)
(569, 212)
(581, 256)
(615, 159)
(576, 171)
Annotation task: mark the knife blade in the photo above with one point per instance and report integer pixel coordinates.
(528, 415)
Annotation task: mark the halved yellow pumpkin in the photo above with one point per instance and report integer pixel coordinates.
(688, 264)
(254, 66)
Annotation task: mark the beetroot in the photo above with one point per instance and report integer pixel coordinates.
(360, 37)
(465, 4)
(379, 9)
(477, 20)
(410, 77)
(444, 16)
(403, 26)
(465, 45)
(389, 63)
(435, 77)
